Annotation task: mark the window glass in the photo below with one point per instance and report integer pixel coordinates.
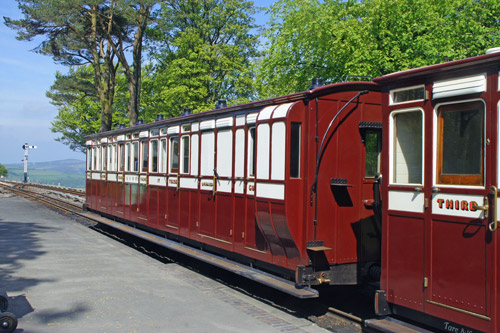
(135, 156)
(154, 156)
(295, 138)
(225, 153)
(251, 152)
(89, 158)
(122, 156)
(98, 158)
(207, 153)
(408, 94)
(373, 145)
(110, 158)
(127, 158)
(174, 156)
(104, 157)
(145, 156)
(460, 145)
(163, 156)
(94, 158)
(407, 150)
(185, 154)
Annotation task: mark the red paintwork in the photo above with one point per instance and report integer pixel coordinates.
(458, 255)
(268, 230)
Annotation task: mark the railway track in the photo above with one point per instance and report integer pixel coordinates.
(336, 309)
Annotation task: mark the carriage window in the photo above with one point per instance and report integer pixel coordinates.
(225, 153)
(94, 158)
(460, 144)
(373, 145)
(104, 157)
(163, 156)
(295, 150)
(127, 158)
(122, 156)
(135, 156)
(89, 158)
(145, 156)
(154, 156)
(174, 157)
(407, 147)
(207, 153)
(407, 94)
(185, 154)
(251, 152)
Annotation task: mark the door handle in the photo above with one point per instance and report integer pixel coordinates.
(485, 207)
(493, 226)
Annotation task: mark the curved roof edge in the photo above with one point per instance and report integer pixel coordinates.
(432, 69)
(308, 94)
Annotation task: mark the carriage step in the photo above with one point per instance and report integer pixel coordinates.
(264, 278)
(391, 325)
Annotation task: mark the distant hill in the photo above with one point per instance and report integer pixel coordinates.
(69, 173)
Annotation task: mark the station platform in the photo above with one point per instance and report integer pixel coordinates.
(61, 276)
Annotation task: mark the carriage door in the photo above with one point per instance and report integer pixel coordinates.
(206, 225)
(459, 254)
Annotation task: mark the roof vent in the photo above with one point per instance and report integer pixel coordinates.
(221, 103)
(186, 112)
(493, 50)
(121, 126)
(159, 117)
(139, 122)
(316, 83)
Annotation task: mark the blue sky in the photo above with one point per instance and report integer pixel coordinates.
(25, 111)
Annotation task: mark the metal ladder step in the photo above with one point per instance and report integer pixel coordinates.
(391, 325)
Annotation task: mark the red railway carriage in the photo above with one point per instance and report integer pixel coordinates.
(285, 184)
(440, 260)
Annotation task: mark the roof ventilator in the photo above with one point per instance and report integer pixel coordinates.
(316, 83)
(221, 103)
(186, 112)
(159, 117)
(121, 126)
(139, 121)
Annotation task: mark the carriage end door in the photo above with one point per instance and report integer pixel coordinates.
(459, 246)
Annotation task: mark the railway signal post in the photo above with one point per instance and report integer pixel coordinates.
(26, 148)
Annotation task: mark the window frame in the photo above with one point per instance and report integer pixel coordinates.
(183, 155)
(171, 144)
(251, 151)
(298, 156)
(477, 181)
(378, 132)
(144, 147)
(135, 153)
(151, 156)
(392, 141)
(392, 93)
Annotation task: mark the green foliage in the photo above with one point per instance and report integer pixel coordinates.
(203, 51)
(334, 38)
(3, 171)
(78, 107)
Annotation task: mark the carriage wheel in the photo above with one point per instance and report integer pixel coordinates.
(8, 322)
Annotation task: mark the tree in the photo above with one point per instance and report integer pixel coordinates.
(97, 33)
(3, 171)
(138, 14)
(203, 51)
(335, 38)
(76, 99)
(75, 34)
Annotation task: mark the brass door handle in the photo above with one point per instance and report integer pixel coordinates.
(493, 226)
(485, 207)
